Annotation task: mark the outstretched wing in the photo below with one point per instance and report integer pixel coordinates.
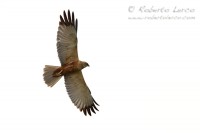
(79, 93)
(67, 38)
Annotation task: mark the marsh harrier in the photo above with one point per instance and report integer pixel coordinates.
(71, 66)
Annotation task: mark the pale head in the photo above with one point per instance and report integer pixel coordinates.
(83, 64)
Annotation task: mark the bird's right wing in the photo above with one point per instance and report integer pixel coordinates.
(67, 38)
(79, 92)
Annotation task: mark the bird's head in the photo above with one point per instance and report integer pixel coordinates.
(84, 64)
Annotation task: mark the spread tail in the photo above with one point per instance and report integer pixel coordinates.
(49, 79)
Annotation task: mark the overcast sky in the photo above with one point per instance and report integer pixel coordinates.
(144, 66)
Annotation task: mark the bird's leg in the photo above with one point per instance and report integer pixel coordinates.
(67, 68)
(58, 72)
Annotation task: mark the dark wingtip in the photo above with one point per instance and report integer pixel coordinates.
(69, 19)
(90, 109)
(76, 25)
(62, 20)
(85, 112)
(96, 102)
(65, 18)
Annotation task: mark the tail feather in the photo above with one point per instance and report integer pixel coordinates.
(48, 75)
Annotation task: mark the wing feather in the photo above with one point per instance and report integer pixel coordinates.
(67, 39)
(79, 92)
(73, 18)
(69, 16)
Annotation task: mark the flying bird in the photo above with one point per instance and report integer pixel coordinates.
(71, 66)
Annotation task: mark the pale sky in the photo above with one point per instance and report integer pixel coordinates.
(144, 73)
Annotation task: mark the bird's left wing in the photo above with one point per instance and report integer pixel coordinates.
(67, 38)
(79, 92)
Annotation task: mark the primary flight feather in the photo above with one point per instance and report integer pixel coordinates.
(71, 66)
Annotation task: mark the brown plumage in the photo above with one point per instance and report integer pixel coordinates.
(71, 66)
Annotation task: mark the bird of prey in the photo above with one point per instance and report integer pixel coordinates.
(71, 66)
